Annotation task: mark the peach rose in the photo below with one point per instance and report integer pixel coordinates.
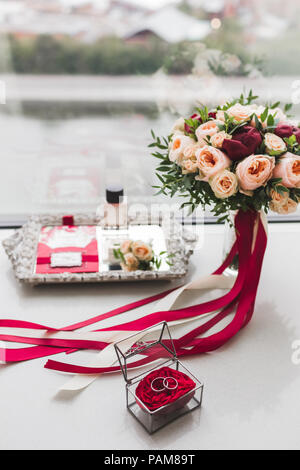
(218, 139)
(207, 129)
(279, 199)
(224, 184)
(211, 161)
(177, 146)
(125, 246)
(240, 113)
(257, 110)
(220, 116)
(288, 207)
(190, 151)
(288, 169)
(255, 171)
(275, 145)
(142, 251)
(131, 262)
(189, 166)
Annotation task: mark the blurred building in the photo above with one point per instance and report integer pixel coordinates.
(181, 27)
(88, 21)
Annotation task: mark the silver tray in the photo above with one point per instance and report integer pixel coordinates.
(21, 249)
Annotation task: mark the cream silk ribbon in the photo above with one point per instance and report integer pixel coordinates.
(107, 358)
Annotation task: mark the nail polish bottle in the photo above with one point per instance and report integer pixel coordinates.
(115, 210)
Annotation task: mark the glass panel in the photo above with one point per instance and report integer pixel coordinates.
(83, 81)
(137, 352)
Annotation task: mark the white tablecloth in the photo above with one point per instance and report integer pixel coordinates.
(251, 397)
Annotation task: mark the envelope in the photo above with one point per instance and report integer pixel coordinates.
(67, 248)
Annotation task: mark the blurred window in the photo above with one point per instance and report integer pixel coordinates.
(82, 83)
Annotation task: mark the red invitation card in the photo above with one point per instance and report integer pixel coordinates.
(67, 248)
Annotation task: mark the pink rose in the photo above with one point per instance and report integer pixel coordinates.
(288, 169)
(255, 171)
(211, 161)
(244, 142)
(208, 129)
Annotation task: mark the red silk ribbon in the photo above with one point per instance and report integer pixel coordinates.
(250, 247)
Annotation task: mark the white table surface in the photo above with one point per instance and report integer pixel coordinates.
(251, 397)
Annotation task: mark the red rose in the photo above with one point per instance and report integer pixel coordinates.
(197, 117)
(212, 115)
(285, 131)
(154, 400)
(244, 142)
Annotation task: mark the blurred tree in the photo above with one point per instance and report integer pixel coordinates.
(112, 56)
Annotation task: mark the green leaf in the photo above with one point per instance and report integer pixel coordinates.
(264, 115)
(288, 107)
(270, 121)
(275, 105)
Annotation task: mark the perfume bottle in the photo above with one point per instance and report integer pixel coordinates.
(115, 209)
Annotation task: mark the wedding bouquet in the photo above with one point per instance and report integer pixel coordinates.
(239, 156)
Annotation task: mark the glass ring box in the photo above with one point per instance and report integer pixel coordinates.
(159, 388)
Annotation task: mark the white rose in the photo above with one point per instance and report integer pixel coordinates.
(279, 114)
(240, 113)
(275, 144)
(220, 116)
(179, 126)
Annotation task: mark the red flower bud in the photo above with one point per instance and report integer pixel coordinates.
(285, 130)
(244, 142)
